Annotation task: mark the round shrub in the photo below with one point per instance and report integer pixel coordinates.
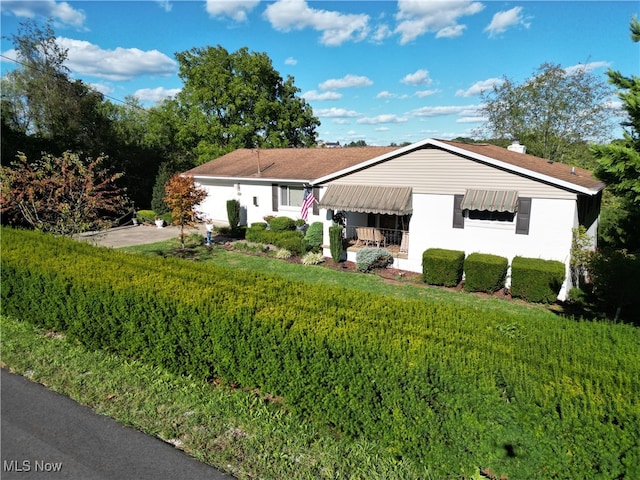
(369, 258)
(314, 235)
(282, 224)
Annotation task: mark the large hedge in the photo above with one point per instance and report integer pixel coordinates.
(442, 267)
(536, 280)
(451, 387)
(484, 272)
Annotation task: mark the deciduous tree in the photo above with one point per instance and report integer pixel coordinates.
(182, 197)
(238, 100)
(552, 113)
(61, 195)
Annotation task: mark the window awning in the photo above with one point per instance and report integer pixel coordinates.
(368, 198)
(490, 200)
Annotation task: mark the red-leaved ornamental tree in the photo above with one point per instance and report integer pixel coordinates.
(182, 196)
(60, 195)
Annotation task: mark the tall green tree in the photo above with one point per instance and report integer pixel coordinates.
(553, 112)
(42, 101)
(619, 161)
(238, 100)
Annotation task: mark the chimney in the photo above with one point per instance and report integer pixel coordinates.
(516, 147)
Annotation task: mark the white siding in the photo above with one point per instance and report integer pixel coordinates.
(215, 205)
(439, 172)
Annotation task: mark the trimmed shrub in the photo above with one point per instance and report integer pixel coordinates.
(259, 225)
(484, 272)
(146, 216)
(290, 240)
(536, 280)
(439, 383)
(336, 242)
(314, 236)
(282, 224)
(442, 267)
(370, 258)
(233, 213)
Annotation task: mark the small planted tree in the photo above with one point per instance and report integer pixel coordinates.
(182, 196)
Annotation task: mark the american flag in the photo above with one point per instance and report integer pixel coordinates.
(307, 203)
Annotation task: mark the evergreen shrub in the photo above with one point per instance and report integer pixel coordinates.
(282, 224)
(368, 259)
(536, 280)
(484, 272)
(314, 236)
(291, 240)
(447, 386)
(442, 267)
(146, 216)
(336, 242)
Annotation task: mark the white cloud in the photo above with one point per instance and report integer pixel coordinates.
(386, 94)
(156, 94)
(386, 118)
(312, 95)
(61, 12)
(451, 32)
(119, 64)
(336, 27)
(426, 93)
(442, 111)
(503, 20)
(291, 61)
(417, 17)
(587, 67)
(479, 87)
(235, 9)
(166, 5)
(471, 120)
(348, 81)
(381, 33)
(419, 77)
(336, 113)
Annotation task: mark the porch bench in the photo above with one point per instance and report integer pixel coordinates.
(370, 236)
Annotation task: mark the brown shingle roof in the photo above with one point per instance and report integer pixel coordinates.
(307, 164)
(287, 163)
(559, 171)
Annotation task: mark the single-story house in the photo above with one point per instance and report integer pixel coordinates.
(431, 194)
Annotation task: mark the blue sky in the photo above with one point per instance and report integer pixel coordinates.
(381, 71)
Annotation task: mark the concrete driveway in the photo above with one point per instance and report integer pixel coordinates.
(136, 235)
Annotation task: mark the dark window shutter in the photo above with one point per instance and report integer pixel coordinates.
(316, 194)
(274, 197)
(523, 216)
(458, 213)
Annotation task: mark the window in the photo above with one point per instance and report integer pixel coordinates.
(291, 196)
(491, 216)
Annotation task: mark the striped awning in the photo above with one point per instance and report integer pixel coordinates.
(490, 200)
(368, 198)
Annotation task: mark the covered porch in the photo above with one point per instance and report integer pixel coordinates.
(372, 216)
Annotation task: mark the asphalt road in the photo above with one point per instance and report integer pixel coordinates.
(49, 436)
